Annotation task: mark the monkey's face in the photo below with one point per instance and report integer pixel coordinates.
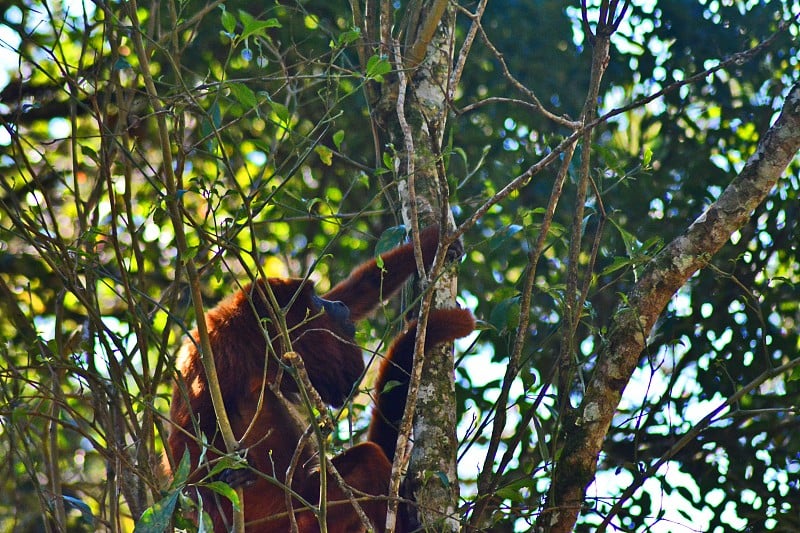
(323, 328)
(338, 312)
(337, 364)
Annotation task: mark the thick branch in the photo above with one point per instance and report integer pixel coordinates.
(665, 274)
(427, 30)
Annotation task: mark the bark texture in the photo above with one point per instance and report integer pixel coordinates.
(431, 476)
(409, 115)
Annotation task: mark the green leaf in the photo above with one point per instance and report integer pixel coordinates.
(653, 242)
(618, 263)
(216, 115)
(389, 239)
(227, 462)
(247, 19)
(121, 64)
(181, 474)
(325, 154)
(338, 137)
(204, 522)
(228, 20)
(311, 204)
(505, 315)
(211, 123)
(156, 519)
(160, 215)
(243, 94)
(348, 37)
(90, 153)
(281, 111)
(391, 384)
(190, 253)
(631, 242)
(75, 503)
(513, 490)
(253, 26)
(388, 161)
(648, 157)
(377, 66)
(225, 490)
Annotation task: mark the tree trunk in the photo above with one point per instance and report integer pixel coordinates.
(412, 114)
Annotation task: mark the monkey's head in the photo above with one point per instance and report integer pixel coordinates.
(322, 327)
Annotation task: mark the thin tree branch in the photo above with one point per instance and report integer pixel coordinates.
(402, 453)
(563, 121)
(466, 46)
(697, 429)
(489, 477)
(174, 208)
(523, 179)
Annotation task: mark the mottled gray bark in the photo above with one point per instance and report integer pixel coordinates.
(415, 131)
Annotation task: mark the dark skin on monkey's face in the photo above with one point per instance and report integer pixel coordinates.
(247, 346)
(339, 312)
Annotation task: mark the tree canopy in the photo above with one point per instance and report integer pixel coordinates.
(623, 175)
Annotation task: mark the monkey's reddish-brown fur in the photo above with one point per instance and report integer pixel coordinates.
(444, 325)
(334, 363)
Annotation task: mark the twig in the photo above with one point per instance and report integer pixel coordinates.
(698, 428)
(408, 138)
(322, 428)
(466, 46)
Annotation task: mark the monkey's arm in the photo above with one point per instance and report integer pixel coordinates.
(369, 285)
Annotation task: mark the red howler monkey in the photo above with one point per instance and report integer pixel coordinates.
(247, 346)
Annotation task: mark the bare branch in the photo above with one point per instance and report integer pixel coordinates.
(458, 69)
(697, 429)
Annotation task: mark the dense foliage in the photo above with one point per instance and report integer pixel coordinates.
(275, 164)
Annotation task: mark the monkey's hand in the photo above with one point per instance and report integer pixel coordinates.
(455, 251)
(238, 477)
